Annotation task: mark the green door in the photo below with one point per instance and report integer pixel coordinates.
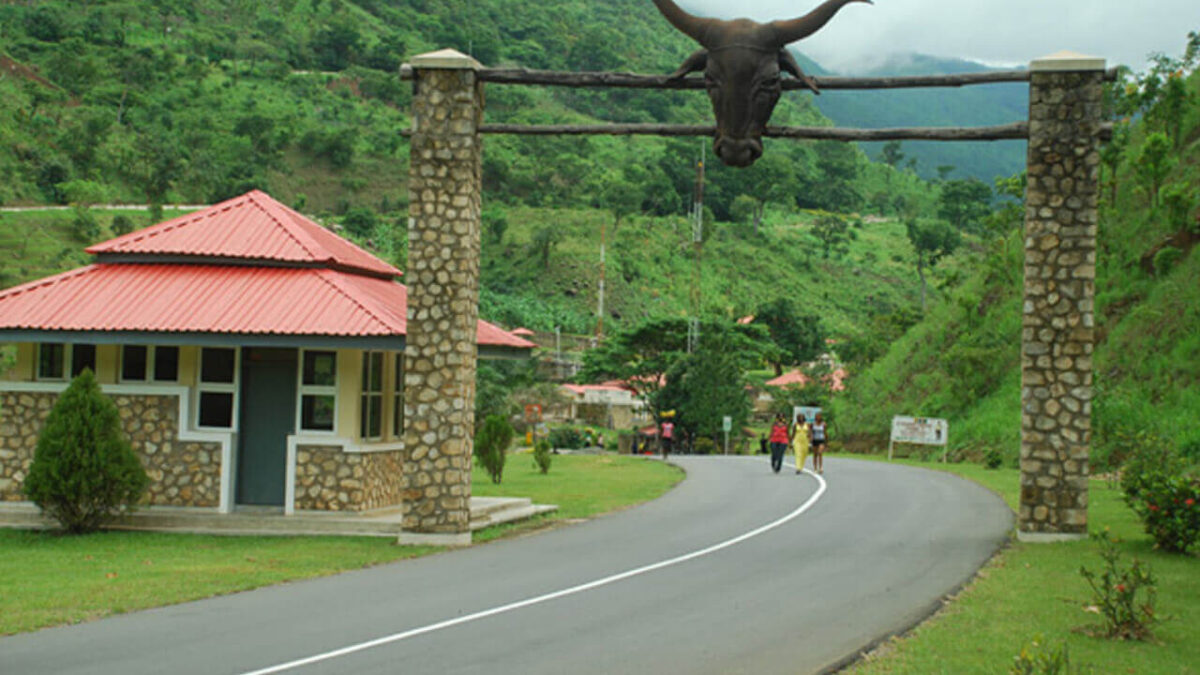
(268, 415)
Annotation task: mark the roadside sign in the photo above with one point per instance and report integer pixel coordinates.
(919, 430)
(809, 412)
(727, 423)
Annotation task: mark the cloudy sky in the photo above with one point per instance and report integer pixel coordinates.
(998, 32)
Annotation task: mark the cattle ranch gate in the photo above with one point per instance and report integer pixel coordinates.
(1064, 131)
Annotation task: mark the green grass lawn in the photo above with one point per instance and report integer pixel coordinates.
(1031, 590)
(48, 579)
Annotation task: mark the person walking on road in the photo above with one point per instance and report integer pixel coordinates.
(779, 442)
(801, 437)
(818, 443)
(667, 437)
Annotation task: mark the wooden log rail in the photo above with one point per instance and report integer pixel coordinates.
(554, 78)
(1002, 132)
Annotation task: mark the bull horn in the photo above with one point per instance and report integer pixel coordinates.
(692, 26)
(798, 29)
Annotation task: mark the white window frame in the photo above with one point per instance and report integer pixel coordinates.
(151, 354)
(203, 387)
(303, 390)
(66, 362)
(365, 395)
(397, 410)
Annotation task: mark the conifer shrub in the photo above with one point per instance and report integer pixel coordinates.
(84, 471)
(542, 455)
(491, 442)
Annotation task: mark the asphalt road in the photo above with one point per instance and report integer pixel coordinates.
(668, 587)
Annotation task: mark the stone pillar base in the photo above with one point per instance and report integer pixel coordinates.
(423, 539)
(1048, 537)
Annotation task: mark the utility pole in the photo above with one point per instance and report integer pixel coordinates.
(697, 241)
(600, 288)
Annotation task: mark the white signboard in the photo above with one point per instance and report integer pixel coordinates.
(922, 430)
(809, 412)
(727, 423)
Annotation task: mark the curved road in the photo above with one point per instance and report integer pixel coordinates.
(865, 554)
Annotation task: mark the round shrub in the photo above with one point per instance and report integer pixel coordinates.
(566, 437)
(491, 443)
(84, 471)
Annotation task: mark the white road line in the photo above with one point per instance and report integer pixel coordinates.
(396, 637)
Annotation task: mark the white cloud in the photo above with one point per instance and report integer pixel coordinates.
(1008, 32)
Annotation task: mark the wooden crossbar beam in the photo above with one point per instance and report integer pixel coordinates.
(1001, 132)
(555, 78)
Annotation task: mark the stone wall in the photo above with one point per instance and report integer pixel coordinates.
(1060, 272)
(329, 479)
(443, 293)
(181, 473)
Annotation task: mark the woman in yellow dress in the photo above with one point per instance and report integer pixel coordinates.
(801, 439)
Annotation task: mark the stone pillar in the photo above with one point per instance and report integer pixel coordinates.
(443, 297)
(1060, 272)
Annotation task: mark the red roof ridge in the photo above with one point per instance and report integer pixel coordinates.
(336, 284)
(166, 226)
(45, 281)
(295, 233)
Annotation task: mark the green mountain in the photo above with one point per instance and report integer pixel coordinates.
(978, 105)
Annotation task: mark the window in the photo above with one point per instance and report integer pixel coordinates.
(218, 383)
(140, 364)
(371, 404)
(318, 390)
(166, 364)
(398, 398)
(133, 363)
(51, 361)
(83, 356)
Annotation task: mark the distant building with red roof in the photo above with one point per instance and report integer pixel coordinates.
(796, 378)
(257, 358)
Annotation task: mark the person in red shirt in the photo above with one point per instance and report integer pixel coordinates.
(668, 437)
(779, 442)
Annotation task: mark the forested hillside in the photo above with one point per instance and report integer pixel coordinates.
(194, 102)
(962, 361)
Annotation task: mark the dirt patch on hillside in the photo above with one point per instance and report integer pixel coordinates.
(19, 70)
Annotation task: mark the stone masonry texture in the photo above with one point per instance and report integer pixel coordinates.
(329, 479)
(181, 473)
(443, 300)
(1060, 271)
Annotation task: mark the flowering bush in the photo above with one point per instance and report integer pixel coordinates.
(1159, 489)
(1115, 593)
(1170, 510)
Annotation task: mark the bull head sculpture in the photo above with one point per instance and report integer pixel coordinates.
(742, 61)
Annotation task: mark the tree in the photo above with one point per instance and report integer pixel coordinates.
(360, 221)
(1112, 154)
(84, 471)
(932, 241)
(1154, 164)
(965, 203)
(338, 43)
(799, 337)
(834, 234)
(543, 242)
(833, 187)
(891, 154)
(708, 384)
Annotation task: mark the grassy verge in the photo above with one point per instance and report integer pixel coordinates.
(1032, 590)
(47, 579)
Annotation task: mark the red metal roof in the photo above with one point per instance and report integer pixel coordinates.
(177, 298)
(253, 227)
